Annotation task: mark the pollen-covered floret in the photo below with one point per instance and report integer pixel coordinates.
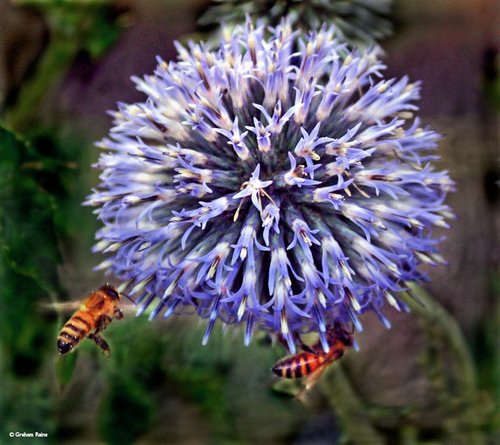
(279, 182)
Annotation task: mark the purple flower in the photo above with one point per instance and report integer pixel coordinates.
(279, 182)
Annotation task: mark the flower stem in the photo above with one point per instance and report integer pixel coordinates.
(56, 58)
(461, 397)
(457, 396)
(350, 410)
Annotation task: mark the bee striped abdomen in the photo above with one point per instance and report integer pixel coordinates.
(297, 366)
(76, 329)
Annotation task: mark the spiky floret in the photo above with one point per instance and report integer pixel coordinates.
(280, 182)
(356, 21)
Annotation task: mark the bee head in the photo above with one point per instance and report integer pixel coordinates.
(110, 291)
(342, 334)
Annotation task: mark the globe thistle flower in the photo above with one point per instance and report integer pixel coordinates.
(279, 183)
(356, 21)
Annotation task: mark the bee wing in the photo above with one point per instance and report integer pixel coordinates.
(60, 306)
(310, 380)
(72, 306)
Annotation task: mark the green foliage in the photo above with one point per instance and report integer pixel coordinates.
(154, 364)
(230, 383)
(64, 368)
(26, 208)
(486, 349)
(129, 402)
(125, 412)
(136, 337)
(58, 168)
(90, 26)
(28, 243)
(27, 405)
(28, 262)
(450, 369)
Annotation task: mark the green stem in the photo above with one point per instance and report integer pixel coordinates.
(55, 60)
(350, 410)
(73, 25)
(438, 322)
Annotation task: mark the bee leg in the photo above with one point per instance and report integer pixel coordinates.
(302, 345)
(99, 341)
(102, 323)
(118, 314)
(308, 382)
(307, 348)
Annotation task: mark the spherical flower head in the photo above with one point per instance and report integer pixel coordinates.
(360, 22)
(279, 182)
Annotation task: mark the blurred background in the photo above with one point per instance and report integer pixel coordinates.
(63, 64)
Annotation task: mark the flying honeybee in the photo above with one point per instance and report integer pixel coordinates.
(94, 314)
(314, 360)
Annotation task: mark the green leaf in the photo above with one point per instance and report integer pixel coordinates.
(28, 250)
(75, 26)
(125, 412)
(65, 366)
(28, 243)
